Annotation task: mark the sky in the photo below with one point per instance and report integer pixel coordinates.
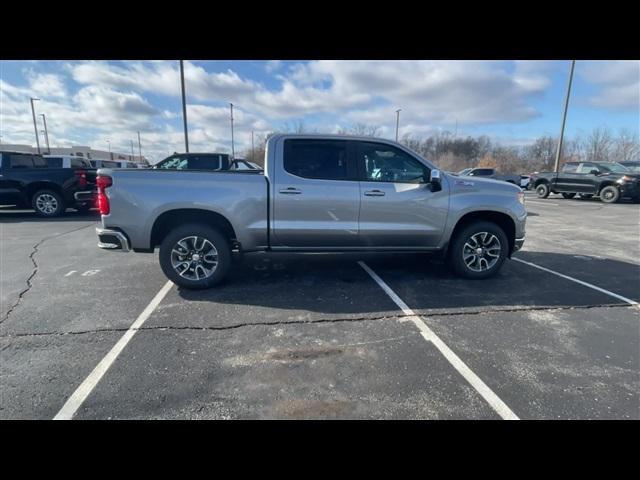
(513, 102)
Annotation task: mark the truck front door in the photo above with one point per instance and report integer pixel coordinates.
(398, 209)
(316, 196)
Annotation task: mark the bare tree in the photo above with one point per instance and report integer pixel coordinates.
(598, 145)
(626, 146)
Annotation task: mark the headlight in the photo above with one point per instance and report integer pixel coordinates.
(520, 197)
(625, 178)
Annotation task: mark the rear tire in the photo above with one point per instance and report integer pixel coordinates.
(193, 270)
(48, 203)
(568, 196)
(542, 190)
(463, 256)
(610, 194)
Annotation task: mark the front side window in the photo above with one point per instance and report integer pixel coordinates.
(385, 163)
(482, 172)
(570, 168)
(319, 159)
(586, 168)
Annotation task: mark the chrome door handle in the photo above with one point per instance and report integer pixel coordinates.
(374, 193)
(290, 191)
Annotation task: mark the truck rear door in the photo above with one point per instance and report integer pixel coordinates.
(317, 196)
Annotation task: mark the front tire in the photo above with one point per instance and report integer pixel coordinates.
(195, 256)
(610, 194)
(542, 190)
(48, 203)
(478, 250)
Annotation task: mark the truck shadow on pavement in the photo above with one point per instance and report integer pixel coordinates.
(15, 215)
(334, 284)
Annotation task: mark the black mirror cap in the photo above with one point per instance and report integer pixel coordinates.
(594, 172)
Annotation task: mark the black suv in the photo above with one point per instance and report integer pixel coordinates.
(195, 161)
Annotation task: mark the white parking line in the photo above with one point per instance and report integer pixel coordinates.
(492, 399)
(76, 400)
(614, 295)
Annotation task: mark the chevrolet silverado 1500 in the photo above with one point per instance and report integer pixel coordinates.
(317, 193)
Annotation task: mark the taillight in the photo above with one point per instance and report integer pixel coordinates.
(82, 178)
(103, 201)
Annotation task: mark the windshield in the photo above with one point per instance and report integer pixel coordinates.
(633, 167)
(613, 167)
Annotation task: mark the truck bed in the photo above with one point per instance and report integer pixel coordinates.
(139, 197)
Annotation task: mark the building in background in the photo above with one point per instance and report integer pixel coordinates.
(78, 151)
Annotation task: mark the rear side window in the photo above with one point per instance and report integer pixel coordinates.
(54, 162)
(20, 161)
(320, 159)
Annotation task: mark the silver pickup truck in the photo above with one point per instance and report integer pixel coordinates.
(317, 193)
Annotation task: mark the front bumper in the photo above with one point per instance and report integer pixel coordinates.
(630, 189)
(518, 244)
(112, 240)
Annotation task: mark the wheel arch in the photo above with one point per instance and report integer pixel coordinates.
(501, 219)
(173, 218)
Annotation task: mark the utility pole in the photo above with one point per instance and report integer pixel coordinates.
(184, 109)
(35, 127)
(132, 156)
(564, 117)
(233, 152)
(46, 133)
(397, 121)
(252, 146)
(139, 147)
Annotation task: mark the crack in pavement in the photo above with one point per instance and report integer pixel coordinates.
(35, 268)
(312, 321)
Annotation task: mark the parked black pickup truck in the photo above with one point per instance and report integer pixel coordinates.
(608, 180)
(26, 180)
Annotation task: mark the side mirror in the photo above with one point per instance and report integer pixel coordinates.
(435, 180)
(594, 172)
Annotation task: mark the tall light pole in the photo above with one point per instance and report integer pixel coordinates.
(46, 132)
(184, 108)
(252, 159)
(132, 159)
(110, 155)
(397, 121)
(139, 147)
(564, 116)
(35, 127)
(233, 152)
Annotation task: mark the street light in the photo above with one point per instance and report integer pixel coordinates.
(35, 128)
(564, 117)
(139, 146)
(233, 153)
(46, 133)
(397, 121)
(184, 108)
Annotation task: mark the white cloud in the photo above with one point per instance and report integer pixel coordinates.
(618, 82)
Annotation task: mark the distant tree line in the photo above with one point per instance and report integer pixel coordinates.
(454, 153)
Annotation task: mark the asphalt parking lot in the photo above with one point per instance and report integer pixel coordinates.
(326, 336)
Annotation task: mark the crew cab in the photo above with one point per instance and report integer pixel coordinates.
(317, 193)
(490, 173)
(27, 180)
(608, 180)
